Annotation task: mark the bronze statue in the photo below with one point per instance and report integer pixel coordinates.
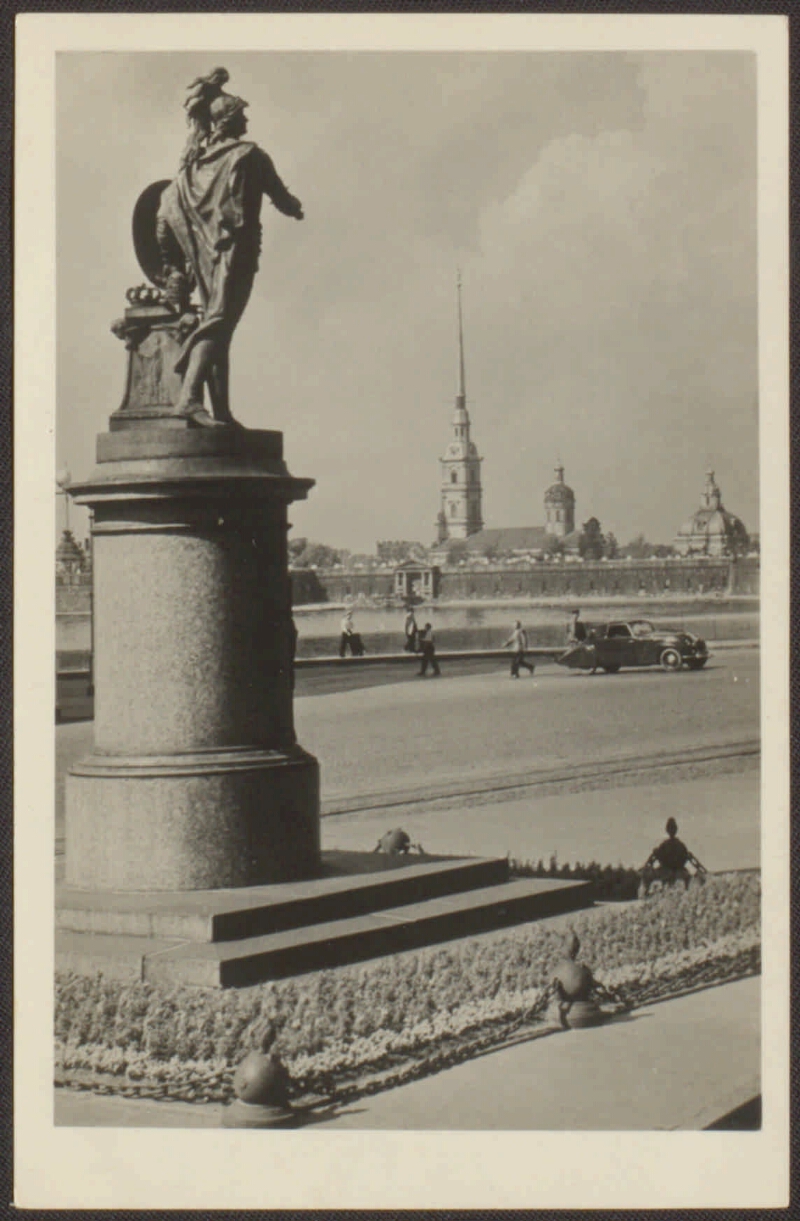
(668, 860)
(576, 991)
(207, 238)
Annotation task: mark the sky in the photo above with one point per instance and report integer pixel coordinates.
(601, 208)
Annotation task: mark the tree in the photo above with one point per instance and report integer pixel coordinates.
(554, 546)
(296, 548)
(316, 555)
(456, 551)
(396, 551)
(638, 548)
(591, 544)
(612, 546)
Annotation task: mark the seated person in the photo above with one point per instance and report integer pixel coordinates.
(667, 863)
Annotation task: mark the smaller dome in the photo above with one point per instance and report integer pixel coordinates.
(559, 493)
(68, 551)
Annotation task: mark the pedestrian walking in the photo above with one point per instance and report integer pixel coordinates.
(576, 630)
(410, 631)
(347, 640)
(519, 640)
(427, 648)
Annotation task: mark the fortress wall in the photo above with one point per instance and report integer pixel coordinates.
(614, 578)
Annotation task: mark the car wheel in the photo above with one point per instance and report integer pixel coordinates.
(670, 659)
(696, 663)
(611, 669)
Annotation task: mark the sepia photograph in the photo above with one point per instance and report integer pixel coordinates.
(379, 356)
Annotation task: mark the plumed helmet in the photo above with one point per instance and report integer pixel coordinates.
(225, 107)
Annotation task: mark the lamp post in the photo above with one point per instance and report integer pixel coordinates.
(90, 684)
(63, 481)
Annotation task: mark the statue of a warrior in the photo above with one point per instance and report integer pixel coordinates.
(208, 236)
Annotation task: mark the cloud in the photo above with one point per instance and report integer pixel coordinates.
(601, 206)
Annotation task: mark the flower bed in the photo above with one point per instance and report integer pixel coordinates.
(355, 1029)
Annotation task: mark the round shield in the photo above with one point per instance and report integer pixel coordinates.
(144, 230)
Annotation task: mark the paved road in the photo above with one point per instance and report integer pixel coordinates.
(718, 816)
(620, 1077)
(433, 731)
(482, 727)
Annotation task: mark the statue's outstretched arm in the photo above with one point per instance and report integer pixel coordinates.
(277, 191)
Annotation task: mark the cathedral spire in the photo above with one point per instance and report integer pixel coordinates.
(460, 513)
(462, 389)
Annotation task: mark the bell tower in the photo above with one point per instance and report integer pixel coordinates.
(461, 493)
(559, 506)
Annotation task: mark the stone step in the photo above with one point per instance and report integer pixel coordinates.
(295, 951)
(353, 884)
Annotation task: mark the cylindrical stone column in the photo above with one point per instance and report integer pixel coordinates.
(196, 780)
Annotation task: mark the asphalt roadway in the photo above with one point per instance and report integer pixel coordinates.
(583, 766)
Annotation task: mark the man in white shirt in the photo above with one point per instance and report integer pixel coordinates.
(519, 639)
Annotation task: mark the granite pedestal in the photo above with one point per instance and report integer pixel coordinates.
(196, 780)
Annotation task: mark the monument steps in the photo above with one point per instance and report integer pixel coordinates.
(325, 943)
(351, 884)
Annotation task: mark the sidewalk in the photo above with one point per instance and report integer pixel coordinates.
(682, 1064)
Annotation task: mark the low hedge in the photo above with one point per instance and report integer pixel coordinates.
(615, 882)
(341, 1021)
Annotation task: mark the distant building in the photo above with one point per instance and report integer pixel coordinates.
(414, 581)
(559, 507)
(461, 495)
(711, 529)
(559, 512)
(71, 560)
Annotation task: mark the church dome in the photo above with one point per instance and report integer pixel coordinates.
(68, 552)
(559, 493)
(711, 529)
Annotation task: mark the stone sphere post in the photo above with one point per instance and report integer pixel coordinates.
(196, 780)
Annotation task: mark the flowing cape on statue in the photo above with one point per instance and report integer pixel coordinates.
(212, 208)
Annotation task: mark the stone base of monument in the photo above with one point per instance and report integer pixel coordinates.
(192, 821)
(360, 906)
(255, 1115)
(196, 780)
(583, 1014)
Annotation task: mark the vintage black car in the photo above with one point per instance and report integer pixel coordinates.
(636, 642)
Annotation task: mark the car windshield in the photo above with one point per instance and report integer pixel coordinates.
(642, 628)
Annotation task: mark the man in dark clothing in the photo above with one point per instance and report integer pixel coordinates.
(427, 648)
(576, 631)
(667, 862)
